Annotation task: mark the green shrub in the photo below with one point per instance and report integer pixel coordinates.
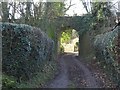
(106, 50)
(61, 49)
(8, 82)
(25, 49)
(77, 44)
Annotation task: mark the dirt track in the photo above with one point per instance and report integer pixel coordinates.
(74, 74)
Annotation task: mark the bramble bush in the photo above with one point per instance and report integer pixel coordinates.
(25, 49)
(107, 51)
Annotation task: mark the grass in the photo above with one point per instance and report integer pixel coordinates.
(0, 81)
(71, 85)
(38, 81)
(41, 78)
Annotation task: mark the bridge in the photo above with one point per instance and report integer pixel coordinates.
(80, 24)
(74, 22)
(61, 23)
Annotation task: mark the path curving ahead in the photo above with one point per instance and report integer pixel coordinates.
(73, 74)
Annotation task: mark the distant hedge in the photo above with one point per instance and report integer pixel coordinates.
(24, 50)
(107, 50)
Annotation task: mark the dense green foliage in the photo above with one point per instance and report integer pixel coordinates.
(66, 36)
(76, 46)
(8, 82)
(101, 10)
(61, 49)
(37, 81)
(106, 46)
(39, 14)
(40, 78)
(24, 50)
(105, 40)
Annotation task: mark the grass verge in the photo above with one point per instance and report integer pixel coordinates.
(40, 78)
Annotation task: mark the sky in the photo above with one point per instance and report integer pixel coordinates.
(77, 8)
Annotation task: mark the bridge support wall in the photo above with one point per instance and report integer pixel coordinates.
(85, 45)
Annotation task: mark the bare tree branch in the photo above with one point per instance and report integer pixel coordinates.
(69, 6)
(85, 5)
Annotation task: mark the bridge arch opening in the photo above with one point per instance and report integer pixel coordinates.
(69, 40)
(79, 24)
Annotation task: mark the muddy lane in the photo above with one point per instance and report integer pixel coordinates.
(61, 81)
(73, 72)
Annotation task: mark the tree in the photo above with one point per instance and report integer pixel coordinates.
(5, 12)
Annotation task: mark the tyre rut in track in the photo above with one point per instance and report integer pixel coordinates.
(73, 71)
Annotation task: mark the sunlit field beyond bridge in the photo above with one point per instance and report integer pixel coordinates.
(70, 47)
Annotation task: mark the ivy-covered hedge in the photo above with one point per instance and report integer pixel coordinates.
(24, 50)
(107, 51)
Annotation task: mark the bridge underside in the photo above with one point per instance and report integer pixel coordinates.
(75, 22)
(69, 22)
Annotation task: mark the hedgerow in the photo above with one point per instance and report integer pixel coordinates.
(107, 52)
(25, 49)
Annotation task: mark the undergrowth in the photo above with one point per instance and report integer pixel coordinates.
(38, 81)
